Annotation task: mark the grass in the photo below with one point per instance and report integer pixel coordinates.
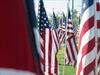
(67, 70)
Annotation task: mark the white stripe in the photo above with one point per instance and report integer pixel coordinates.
(70, 30)
(53, 56)
(55, 37)
(61, 39)
(88, 58)
(69, 20)
(8, 71)
(98, 15)
(92, 73)
(98, 56)
(63, 29)
(46, 48)
(74, 48)
(37, 36)
(69, 51)
(42, 66)
(98, 1)
(85, 39)
(59, 33)
(70, 25)
(98, 32)
(86, 15)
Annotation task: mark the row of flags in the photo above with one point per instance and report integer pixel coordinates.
(29, 46)
(51, 38)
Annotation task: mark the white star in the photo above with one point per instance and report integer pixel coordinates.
(84, 5)
(41, 29)
(42, 21)
(46, 21)
(43, 13)
(45, 24)
(44, 18)
(41, 24)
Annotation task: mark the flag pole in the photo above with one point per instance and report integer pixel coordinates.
(72, 9)
(65, 37)
(96, 35)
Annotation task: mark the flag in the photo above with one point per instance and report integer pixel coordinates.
(55, 31)
(62, 30)
(48, 47)
(16, 52)
(97, 14)
(87, 49)
(34, 36)
(71, 47)
(55, 38)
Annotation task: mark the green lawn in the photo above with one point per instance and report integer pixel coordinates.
(67, 70)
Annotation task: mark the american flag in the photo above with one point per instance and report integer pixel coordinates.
(62, 30)
(87, 49)
(97, 14)
(71, 47)
(55, 31)
(34, 37)
(16, 39)
(48, 47)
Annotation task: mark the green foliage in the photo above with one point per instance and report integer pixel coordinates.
(75, 18)
(68, 70)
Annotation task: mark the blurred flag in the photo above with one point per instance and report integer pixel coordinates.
(56, 41)
(34, 37)
(97, 14)
(16, 39)
(87, 49)
(55, 31)
(71, 47)
(48, 47)
(62, 30)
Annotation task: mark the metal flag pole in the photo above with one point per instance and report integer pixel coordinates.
(72, 9)
(96, 36)
(65, 38)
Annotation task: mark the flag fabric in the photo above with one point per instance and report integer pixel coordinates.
(48, 47)
(62, 30)
(56, 41)
(55, 31)
(87, 49)
(34, 36)
(97, 14)
(71, 47)
(16, 52)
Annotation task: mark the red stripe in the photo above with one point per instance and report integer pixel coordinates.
(71, 28)
(98, 23)
(88, 47)
(44, 49)
(56, 38)
(69, 22)
(15, 46)
(89, 68)
(68, 56)
(99, 61)
(50, 51)
(85, 50)
(87, 25)
(98, 47)
(71, 49)
(70, 33)
(98, 6)
(75, 44)
(56, 65)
